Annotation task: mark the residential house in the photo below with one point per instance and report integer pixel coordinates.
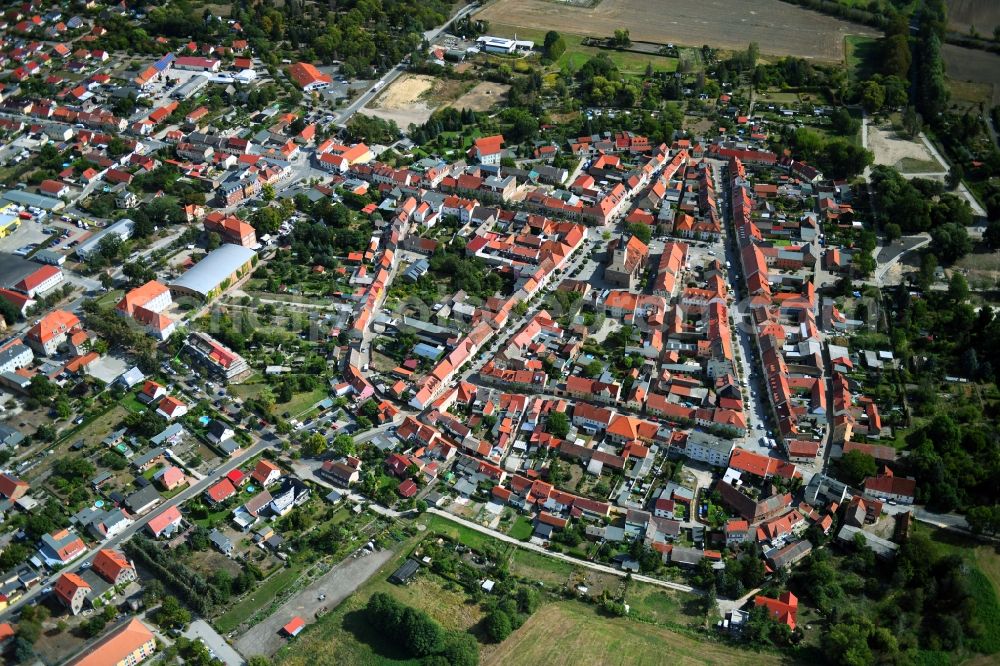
(72, 591)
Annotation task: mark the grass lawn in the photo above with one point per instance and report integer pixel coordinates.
(984, 582)
(111, 298)
(535, 566)
(213, 518)
(344, 636)
(261, 597)
(576, 53)
(571, 632)
(97, 427)
(664, 606)
(302, 402)
(522, 529)
(862, 55)
(132, 404)
(473, 539)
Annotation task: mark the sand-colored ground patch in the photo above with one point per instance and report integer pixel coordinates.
(483, 97)
(906, 155)
(412, 99)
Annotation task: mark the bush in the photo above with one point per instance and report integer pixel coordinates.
(498, 625)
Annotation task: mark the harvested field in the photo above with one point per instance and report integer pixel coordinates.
(904, 154)
(974, 66)
(571, 632)
(983, 15)
(779, 28)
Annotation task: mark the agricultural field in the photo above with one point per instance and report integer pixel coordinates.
(974, 66)
(779, 28)
(571, 632)
(982, 15)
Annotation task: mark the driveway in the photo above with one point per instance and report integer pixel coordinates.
(337, 584)
(215, 642)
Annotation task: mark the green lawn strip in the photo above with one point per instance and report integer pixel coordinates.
(576, 53)
(259, 598)
(522, 529)
(469, 537)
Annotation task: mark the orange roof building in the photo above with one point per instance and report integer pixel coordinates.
(46, 336)
(783, 609)
(128, 645)
(72, 591)
(306, 76)
(113, 566)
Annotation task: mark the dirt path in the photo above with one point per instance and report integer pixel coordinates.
(338, 584)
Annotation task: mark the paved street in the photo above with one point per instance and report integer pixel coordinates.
(216, 643)
(560, 556)
(344, 115)
(140, 523)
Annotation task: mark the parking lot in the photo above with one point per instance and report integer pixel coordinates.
(322, 595)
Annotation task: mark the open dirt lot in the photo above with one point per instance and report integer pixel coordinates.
(402, 101)
(904, 154)
(973, 65)
(337, 585)
(482, 97)
(413, 98)
(982, 15)
(779, 28)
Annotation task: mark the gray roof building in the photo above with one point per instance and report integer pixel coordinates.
(881, 547)
(34, 200)
(122, 228)
(142, 500)
(206, 278)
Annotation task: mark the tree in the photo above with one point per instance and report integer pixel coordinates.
(213, 241)
(896, 56)
(621, 39)
(992, 235)
(855, 466)
(641, 231)
(498, 625)
(460, 648)
(958, 288)
(172, 614)
(314, 446)
(951, 242)
(558, 424)
(843, 123)
(594, 368)
(872, 96)
(893, 232)
(554, 46)
(984, 519)
(267, 193)
(911, 122)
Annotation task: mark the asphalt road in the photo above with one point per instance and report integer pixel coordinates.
(560, 556)
(140, 522)
(216, 643)
(394, 73)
